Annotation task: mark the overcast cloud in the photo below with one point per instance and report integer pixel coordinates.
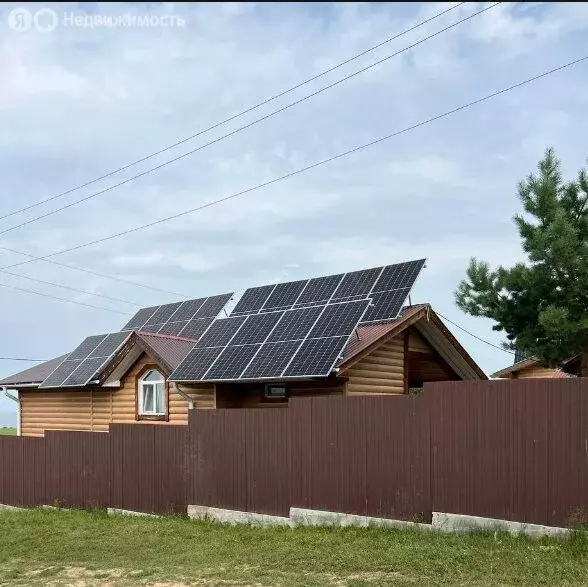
(77, 102)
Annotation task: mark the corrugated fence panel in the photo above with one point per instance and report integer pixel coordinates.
(77, 472)
(362, 455)
(516, 450)
(22, 471)
(148, 464)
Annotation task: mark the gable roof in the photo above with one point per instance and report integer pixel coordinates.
(168, 351)
(567, 370)
(34, 375)
(423, 318)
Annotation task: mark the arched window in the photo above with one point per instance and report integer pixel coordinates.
(152, 394)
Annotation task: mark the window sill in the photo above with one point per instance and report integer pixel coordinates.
(153, 417)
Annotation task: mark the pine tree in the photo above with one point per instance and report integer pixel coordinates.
(541, 305)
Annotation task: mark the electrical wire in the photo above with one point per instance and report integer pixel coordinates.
(312, 166)
(91, 293)
(38, 293)
(246, 126)
(474, 335)
(238, 115)
(21, 359)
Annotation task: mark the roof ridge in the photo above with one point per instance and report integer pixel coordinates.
(167, 336)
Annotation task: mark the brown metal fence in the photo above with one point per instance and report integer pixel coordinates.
(516, 450)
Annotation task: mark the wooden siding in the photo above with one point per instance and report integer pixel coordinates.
(203, 395)
(416, 343)
(535, 371)
(94, 410)
(381, 372)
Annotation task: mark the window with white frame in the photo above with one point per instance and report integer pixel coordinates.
(151, 394)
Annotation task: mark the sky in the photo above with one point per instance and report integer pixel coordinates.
(79, 101)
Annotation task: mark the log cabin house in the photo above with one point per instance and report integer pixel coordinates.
(532, 368)
(396, 357)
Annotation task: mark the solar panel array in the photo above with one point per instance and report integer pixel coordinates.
(188, 319)
(273, 345)
(387, 287)
(85, 362)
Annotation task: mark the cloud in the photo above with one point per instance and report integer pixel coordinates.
(79, 102)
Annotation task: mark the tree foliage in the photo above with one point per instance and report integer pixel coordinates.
(541, 305)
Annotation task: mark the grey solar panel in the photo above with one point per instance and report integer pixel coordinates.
(221, 331)
(140, 318)
(87, 346)
(316, 357)
(162, 314)
(195, 328)
(173, 328)
(320, 289)
(212, 307)
(256, 328)
(231, 362)
(187, 310)
(339, 319)
(284, 295)
(252, 300)
(84, 373)
(386, 305)
(61, 373)
(109, 345)
(357, 283)
(272, 358)
(399, 276)
(196, 364)
(295, 324)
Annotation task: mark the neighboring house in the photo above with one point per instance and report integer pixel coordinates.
(385, 358)
(531, 368)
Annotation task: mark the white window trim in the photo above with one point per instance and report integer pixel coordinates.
(141, 394)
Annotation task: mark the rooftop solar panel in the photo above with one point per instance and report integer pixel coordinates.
(272, 358)
(61, 373)
(162, 314)
(295, 324)
(187, 310)
(196, 364)
(221, 331)
(257, 328)
(231, 362)
(195, 328)
(316, 357)
(338, 319)
(212, 307)
(86, 346)
(284, 295)
(320, 289)
(140, 318)
(357, 283)
(84, 373)
(252, 300)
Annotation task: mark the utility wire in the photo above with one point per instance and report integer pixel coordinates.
(238, 115)
(474, 335)
(314, 165)
(246, 126)
(91, 293)
(21, 359)
(37, 293)
(91, 272)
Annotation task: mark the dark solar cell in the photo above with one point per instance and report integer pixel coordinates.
(232, 362)
(221, 331)
(174, 328)
(386, 305)
(253, 299)
(357, 283)
(213, 306)
(187, 310)
(320, 289)
(162, 314)
(271, 359)
(194, 329)
(87, 346)
(295, 324)
(85, 372)
(196, 364)
(256, 328)
(109, 345)
(140, 318)
(61, 373)
(316, 357)
(399, 276)
(339, 319)
(285, 294)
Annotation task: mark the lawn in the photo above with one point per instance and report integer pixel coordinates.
(7, 431)
(59, 548)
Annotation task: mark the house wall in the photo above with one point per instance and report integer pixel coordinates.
(381, 372)
(95, 410)
(535, 371)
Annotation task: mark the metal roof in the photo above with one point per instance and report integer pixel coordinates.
(34, 374)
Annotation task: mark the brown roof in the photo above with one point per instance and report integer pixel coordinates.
(371, 333)
(34, 374)
(170, 350)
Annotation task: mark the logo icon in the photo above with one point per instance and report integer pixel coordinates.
(20, 20)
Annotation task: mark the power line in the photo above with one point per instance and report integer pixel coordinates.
(474, 335)
(44, 295)
(91, 293)
(91, 272)
(246, 126)
(21, 359)
(314, 165)
(238, 115)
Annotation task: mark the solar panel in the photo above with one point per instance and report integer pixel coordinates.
(174, 328)
(316, 357)
(220, 332)
(94, 352)
(399, 276)
(252, 300)
(196, 364)
(272, 358)
(163, 314)
(386, 304)
(295, 324)
(338, 319)
(194, 328)
(285, 295)
(257, 328)
(319, 289)
(231, 362)
(357, 283)
(157, 318)
(86, 347)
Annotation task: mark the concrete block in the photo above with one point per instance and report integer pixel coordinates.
(119, 512)
(306, 517)
(10, 508)
(444, 522)
(197, 512)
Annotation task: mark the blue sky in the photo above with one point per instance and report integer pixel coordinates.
(78, 102)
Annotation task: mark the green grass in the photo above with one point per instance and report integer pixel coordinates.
(7, 431)
(40, 547)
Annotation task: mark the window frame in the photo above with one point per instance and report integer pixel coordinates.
(267, 392)
(139, 394)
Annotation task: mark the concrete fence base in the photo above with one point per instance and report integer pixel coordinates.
(119, 512)
(199, 512)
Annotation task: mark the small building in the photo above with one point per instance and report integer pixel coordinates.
(395, 357)
(532, 368)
